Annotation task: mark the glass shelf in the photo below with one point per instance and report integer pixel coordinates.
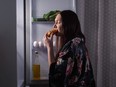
(41, 20)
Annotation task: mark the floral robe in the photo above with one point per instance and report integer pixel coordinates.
(73, 67)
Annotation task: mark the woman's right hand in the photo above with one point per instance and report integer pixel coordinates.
(48, 41)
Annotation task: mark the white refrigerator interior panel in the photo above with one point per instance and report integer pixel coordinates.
(43, 6)
(39, 30)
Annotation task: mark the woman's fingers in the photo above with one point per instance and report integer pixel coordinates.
(45, 38)
(48, 40)
(51, 37)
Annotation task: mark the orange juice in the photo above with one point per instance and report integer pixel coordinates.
(36, 71)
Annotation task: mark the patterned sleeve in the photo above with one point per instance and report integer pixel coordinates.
(73, 67)
(57, 70)
(79, 71)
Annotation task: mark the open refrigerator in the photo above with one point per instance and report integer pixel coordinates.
(35, 50)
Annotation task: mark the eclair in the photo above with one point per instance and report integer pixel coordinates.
(53, 31)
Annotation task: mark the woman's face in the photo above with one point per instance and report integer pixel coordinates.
(58, 25)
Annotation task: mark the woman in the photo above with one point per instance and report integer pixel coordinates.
(71, 66)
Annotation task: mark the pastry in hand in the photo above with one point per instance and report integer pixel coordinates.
(53, 31)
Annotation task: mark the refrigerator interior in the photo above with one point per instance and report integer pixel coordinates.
(36, 30)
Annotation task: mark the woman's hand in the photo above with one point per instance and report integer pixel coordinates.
(48, 41)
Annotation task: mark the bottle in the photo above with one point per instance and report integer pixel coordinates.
(36, 67)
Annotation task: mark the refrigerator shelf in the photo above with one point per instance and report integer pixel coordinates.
(41, 20)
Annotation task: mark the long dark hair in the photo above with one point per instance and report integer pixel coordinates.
(72, 29)
(71, 25)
